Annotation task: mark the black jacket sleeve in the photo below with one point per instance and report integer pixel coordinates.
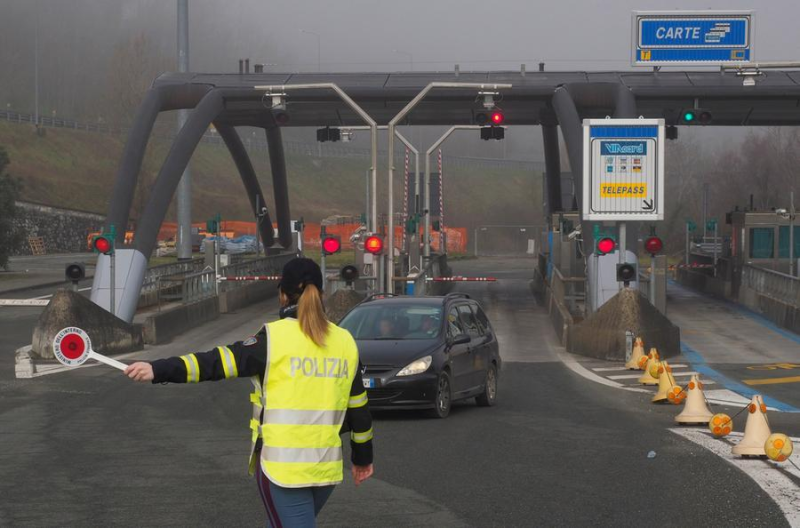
(358, 421)
(241, 359)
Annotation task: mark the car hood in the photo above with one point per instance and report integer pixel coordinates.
(394, 353)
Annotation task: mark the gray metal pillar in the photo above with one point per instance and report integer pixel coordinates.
(552, 161)
(249, 179)
(280, 185)
(184, 202)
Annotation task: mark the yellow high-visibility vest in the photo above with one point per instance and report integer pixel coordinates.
(303, 400)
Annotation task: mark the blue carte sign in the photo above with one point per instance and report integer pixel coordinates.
(676, 38)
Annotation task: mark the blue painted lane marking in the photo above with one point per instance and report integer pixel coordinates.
(699, 364)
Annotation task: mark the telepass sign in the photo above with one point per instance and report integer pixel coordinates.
(623, 168)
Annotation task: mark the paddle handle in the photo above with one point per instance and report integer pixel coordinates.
(107, 360)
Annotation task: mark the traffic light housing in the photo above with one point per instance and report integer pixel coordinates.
(605, 245)
(328, 134)
(696, 116)
(626, 273)
(436, 225)
(493, 132)
(331, 244)
(495, 118)
(75, 272)
(373, 244)
(653, 245)
(349, 274)
(281, 116)
(103, 244)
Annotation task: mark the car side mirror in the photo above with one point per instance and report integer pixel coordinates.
(460, 339)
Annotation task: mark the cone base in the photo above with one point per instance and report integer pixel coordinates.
(748, 451)
(693, 419)
(659, 399)
(649, 382)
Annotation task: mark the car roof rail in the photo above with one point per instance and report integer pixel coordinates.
(457, 294)
(376, 296)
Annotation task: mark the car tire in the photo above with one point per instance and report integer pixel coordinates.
(444, 397)
(489, 395)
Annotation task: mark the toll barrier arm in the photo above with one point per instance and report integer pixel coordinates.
(244, 359)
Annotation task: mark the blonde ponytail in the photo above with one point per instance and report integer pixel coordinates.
(311, 315)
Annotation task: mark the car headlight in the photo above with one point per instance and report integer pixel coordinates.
(416, 367)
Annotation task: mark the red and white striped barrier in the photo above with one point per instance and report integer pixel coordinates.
(461, 279)
(244, 278)
(692, 266)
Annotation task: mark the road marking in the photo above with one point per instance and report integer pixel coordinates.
(582, 371)
(50, 295)
(613, 369)
(775, 366)
(24, 302)
(633, 376)
(772, 381)
(779, 487)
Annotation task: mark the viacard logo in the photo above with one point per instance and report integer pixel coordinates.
(625, 148)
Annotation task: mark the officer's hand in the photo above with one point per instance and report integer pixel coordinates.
(362, 473)
(140, 371)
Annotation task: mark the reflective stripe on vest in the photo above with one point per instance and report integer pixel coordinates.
(305, 393)
(228, 362)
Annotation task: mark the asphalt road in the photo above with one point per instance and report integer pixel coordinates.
(89, 448)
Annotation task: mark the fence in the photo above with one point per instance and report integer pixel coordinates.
(779, 286)
(272, 265)
(298, 148)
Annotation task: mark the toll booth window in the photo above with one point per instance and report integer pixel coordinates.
(783, 242)
(762, 242)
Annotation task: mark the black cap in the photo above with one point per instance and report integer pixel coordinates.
(297, 273)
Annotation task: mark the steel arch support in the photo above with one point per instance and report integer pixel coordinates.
(280, 185)
(552, 161)
(249, 179)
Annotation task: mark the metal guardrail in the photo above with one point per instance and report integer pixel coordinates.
(198, 286)
(569, 291)
(152, 276)
(774, 284)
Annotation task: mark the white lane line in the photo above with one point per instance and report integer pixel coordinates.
(634, 376)
(614, 369)
(50, 295)
(705, 382)
(780, 488)
(579, 369)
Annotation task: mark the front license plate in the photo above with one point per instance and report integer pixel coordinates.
(369, 383)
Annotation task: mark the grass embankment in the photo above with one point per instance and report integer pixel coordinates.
(75, 169)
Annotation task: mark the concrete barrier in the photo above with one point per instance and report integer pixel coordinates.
(109, 334)
(245, 295)
(162, 327)
(777, 311)
(602, 334)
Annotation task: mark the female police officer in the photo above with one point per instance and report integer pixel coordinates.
(308, 389)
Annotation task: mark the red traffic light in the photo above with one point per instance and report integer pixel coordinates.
(653, 245)
(606, 245)
(498, 118)
(373, 244)
(103, 245)
(331, 245)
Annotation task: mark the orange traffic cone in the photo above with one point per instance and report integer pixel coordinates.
(756, 430)
(666, 383)
(652, 363)
(638, 354)
(696, 411)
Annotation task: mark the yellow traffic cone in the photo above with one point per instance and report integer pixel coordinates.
(756, 430)
(665, 383)
(647, 378)
(696, 411)
(638, 353)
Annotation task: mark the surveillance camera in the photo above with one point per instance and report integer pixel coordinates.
(574, 234)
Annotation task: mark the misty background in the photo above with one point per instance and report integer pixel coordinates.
(97, 57)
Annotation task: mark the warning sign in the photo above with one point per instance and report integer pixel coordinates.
(623, 168)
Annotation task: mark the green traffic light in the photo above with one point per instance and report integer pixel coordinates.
(688, 117)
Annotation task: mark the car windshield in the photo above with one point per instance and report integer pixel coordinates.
(401, 321)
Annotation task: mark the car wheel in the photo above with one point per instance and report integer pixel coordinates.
(489, 396)
(444, 397)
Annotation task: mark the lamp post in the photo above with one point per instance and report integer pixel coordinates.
(319, 47)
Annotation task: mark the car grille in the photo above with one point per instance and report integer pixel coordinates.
(378, 369)
(382, 394)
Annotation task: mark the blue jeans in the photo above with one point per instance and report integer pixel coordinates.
(291, 507)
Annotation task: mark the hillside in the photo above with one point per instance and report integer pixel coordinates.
(76, 169)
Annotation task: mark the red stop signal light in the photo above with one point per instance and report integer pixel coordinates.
(374, 245)
(653, 245)
(331, 245)
(497, 118)
(103, 244)
(606, 245)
